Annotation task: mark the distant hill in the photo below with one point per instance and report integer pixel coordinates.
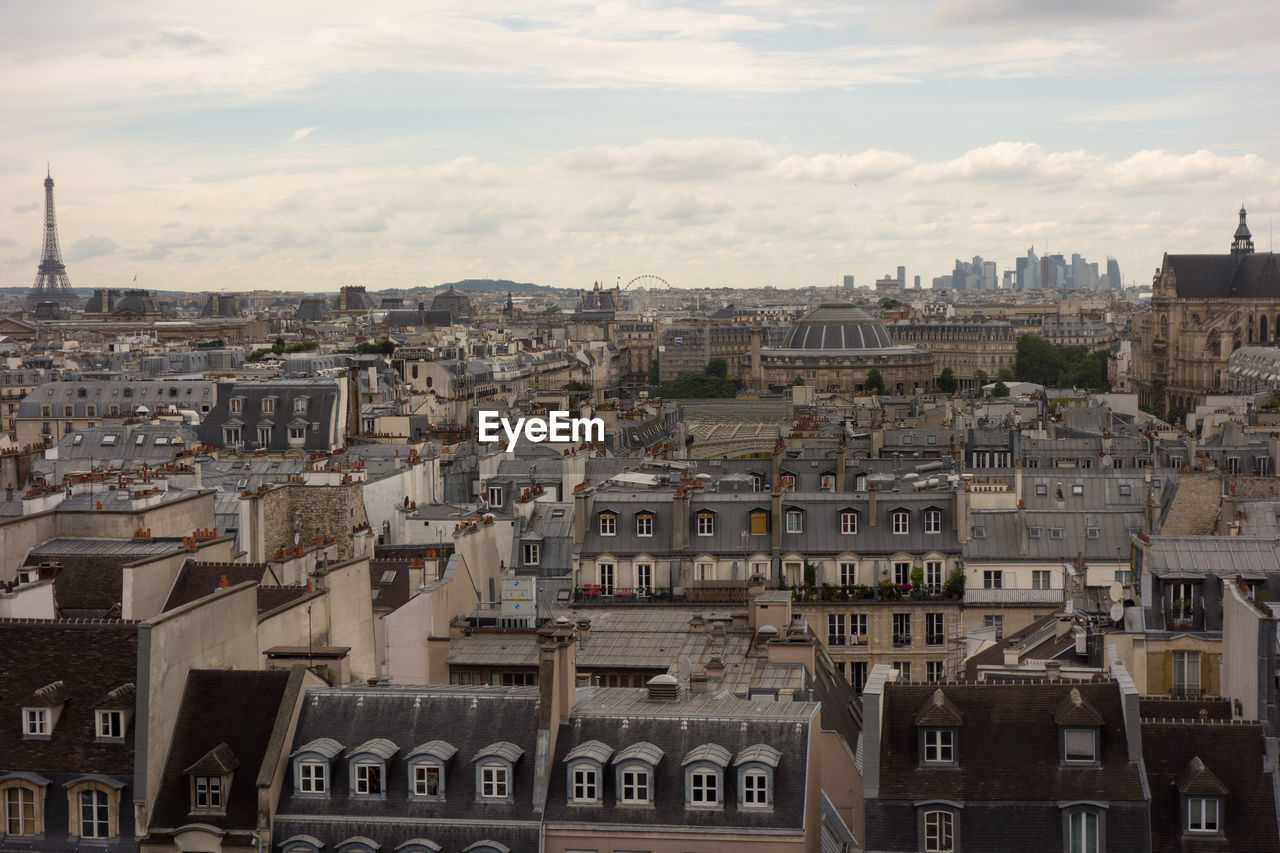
(490, 285)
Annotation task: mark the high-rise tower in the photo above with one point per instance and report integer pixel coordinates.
(51, 284)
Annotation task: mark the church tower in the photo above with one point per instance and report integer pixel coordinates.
(1243, 243)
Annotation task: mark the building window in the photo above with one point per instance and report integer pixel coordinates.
(848, 523)
(1126, 489)
(755, 788)
(996, 622)
(494, 781)
(848, 574)
(36, 722)
(933, 629)
(1077, 488)
(1182, 599)
(426, 781)
(902, 629)
(1233, 464)
(757, 482)
(939, 746)
(208, 792)
(828, 483)
(605, 578)
(939, 832)
(268, 405)
(586, 784)
(493, 497)
(706, 524)
(236, 405)
(1042, 489)
(704, 787)
(795, 521)
(858, 670)
(313, 777)
(635, 785)
(264, 436)
(993, 579)
(1186, 674)
(297, 435)
(369, 779)
(933, 521)
(1079, 746)
(644, 524)
(1083, 832)
(608, 524)
(1203, 815)
(300, 403)
(935, 670)
(933, 575)
(644, 576)
(20, 811)
(759, 523)
(858, 628)
(1040, 578)
(901, 522)
(904, 669)
(902, 573)
(836, 629)
(532, 553)
(231, 435)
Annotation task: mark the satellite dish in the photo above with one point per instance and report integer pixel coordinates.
(1117, 591)
(1117, 612)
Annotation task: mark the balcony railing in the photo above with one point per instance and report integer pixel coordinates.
(1190, 691)
(900, 640)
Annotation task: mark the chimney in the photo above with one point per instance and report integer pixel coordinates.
(680, 519)
(697, 625)
(582, 502)
(774, 462)
(1227, 514)
(222, 582)
(842, 459)
(8, 492)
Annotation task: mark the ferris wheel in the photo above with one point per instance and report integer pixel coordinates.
(647, 282)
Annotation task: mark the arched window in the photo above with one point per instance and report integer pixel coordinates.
(756, 765)
(93, 807)
(704, 775)
(22, 799)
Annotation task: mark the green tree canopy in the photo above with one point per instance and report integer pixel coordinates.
(1058, 366)
(947, 381)
(1000, 390)
(690, 385)
(980, 377)
(875, 382)
(717, 367)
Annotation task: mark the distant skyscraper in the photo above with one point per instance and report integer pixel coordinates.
(917, 282)
(1113, 274)
(988, 275)
(902, 277)
(848, 282)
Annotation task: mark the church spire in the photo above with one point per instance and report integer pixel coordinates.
(1243, 243)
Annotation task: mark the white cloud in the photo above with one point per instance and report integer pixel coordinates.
(868, 165)
(1160, 169)
(672, 159)
(1010, 161)
(303, 133)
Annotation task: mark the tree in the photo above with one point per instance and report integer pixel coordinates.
(653, 372)
(947, 381)
(799, 380)
(980, 377)
(718, 367)
(875, 382)
(1004, 374)
(889, 302)
(1001, 390)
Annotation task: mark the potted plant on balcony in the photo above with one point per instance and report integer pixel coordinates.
(954, 587)
(917, 581)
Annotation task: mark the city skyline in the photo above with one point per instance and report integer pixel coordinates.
(731, 144)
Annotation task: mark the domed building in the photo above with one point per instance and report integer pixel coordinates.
(834, 346)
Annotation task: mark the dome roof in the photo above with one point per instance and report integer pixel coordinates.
(837, 326)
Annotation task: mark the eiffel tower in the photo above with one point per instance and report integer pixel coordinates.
(51, 284)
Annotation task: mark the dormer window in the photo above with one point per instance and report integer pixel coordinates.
(368, 767)
(1202, 795)
(40, 716)
(795, 521)
(493, 497)
(636, 766)
(706, 524)
(531, 553)
(268, 405)
(759, 522)
(939, 746)
(236, 405)
(938, 725)
(210, 778)
(704, 775)
(644, 524)
(1079, 726)
(608, 524)
(495, 767)
(109, 724)
(426, 769)
(311, 766)
(756, 765)
(586, 772)
(933, 521)
(901, 521)
(828, 482)
(848, 522)
(299, 405)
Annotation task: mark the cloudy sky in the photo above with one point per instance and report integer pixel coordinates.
(305, 145)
